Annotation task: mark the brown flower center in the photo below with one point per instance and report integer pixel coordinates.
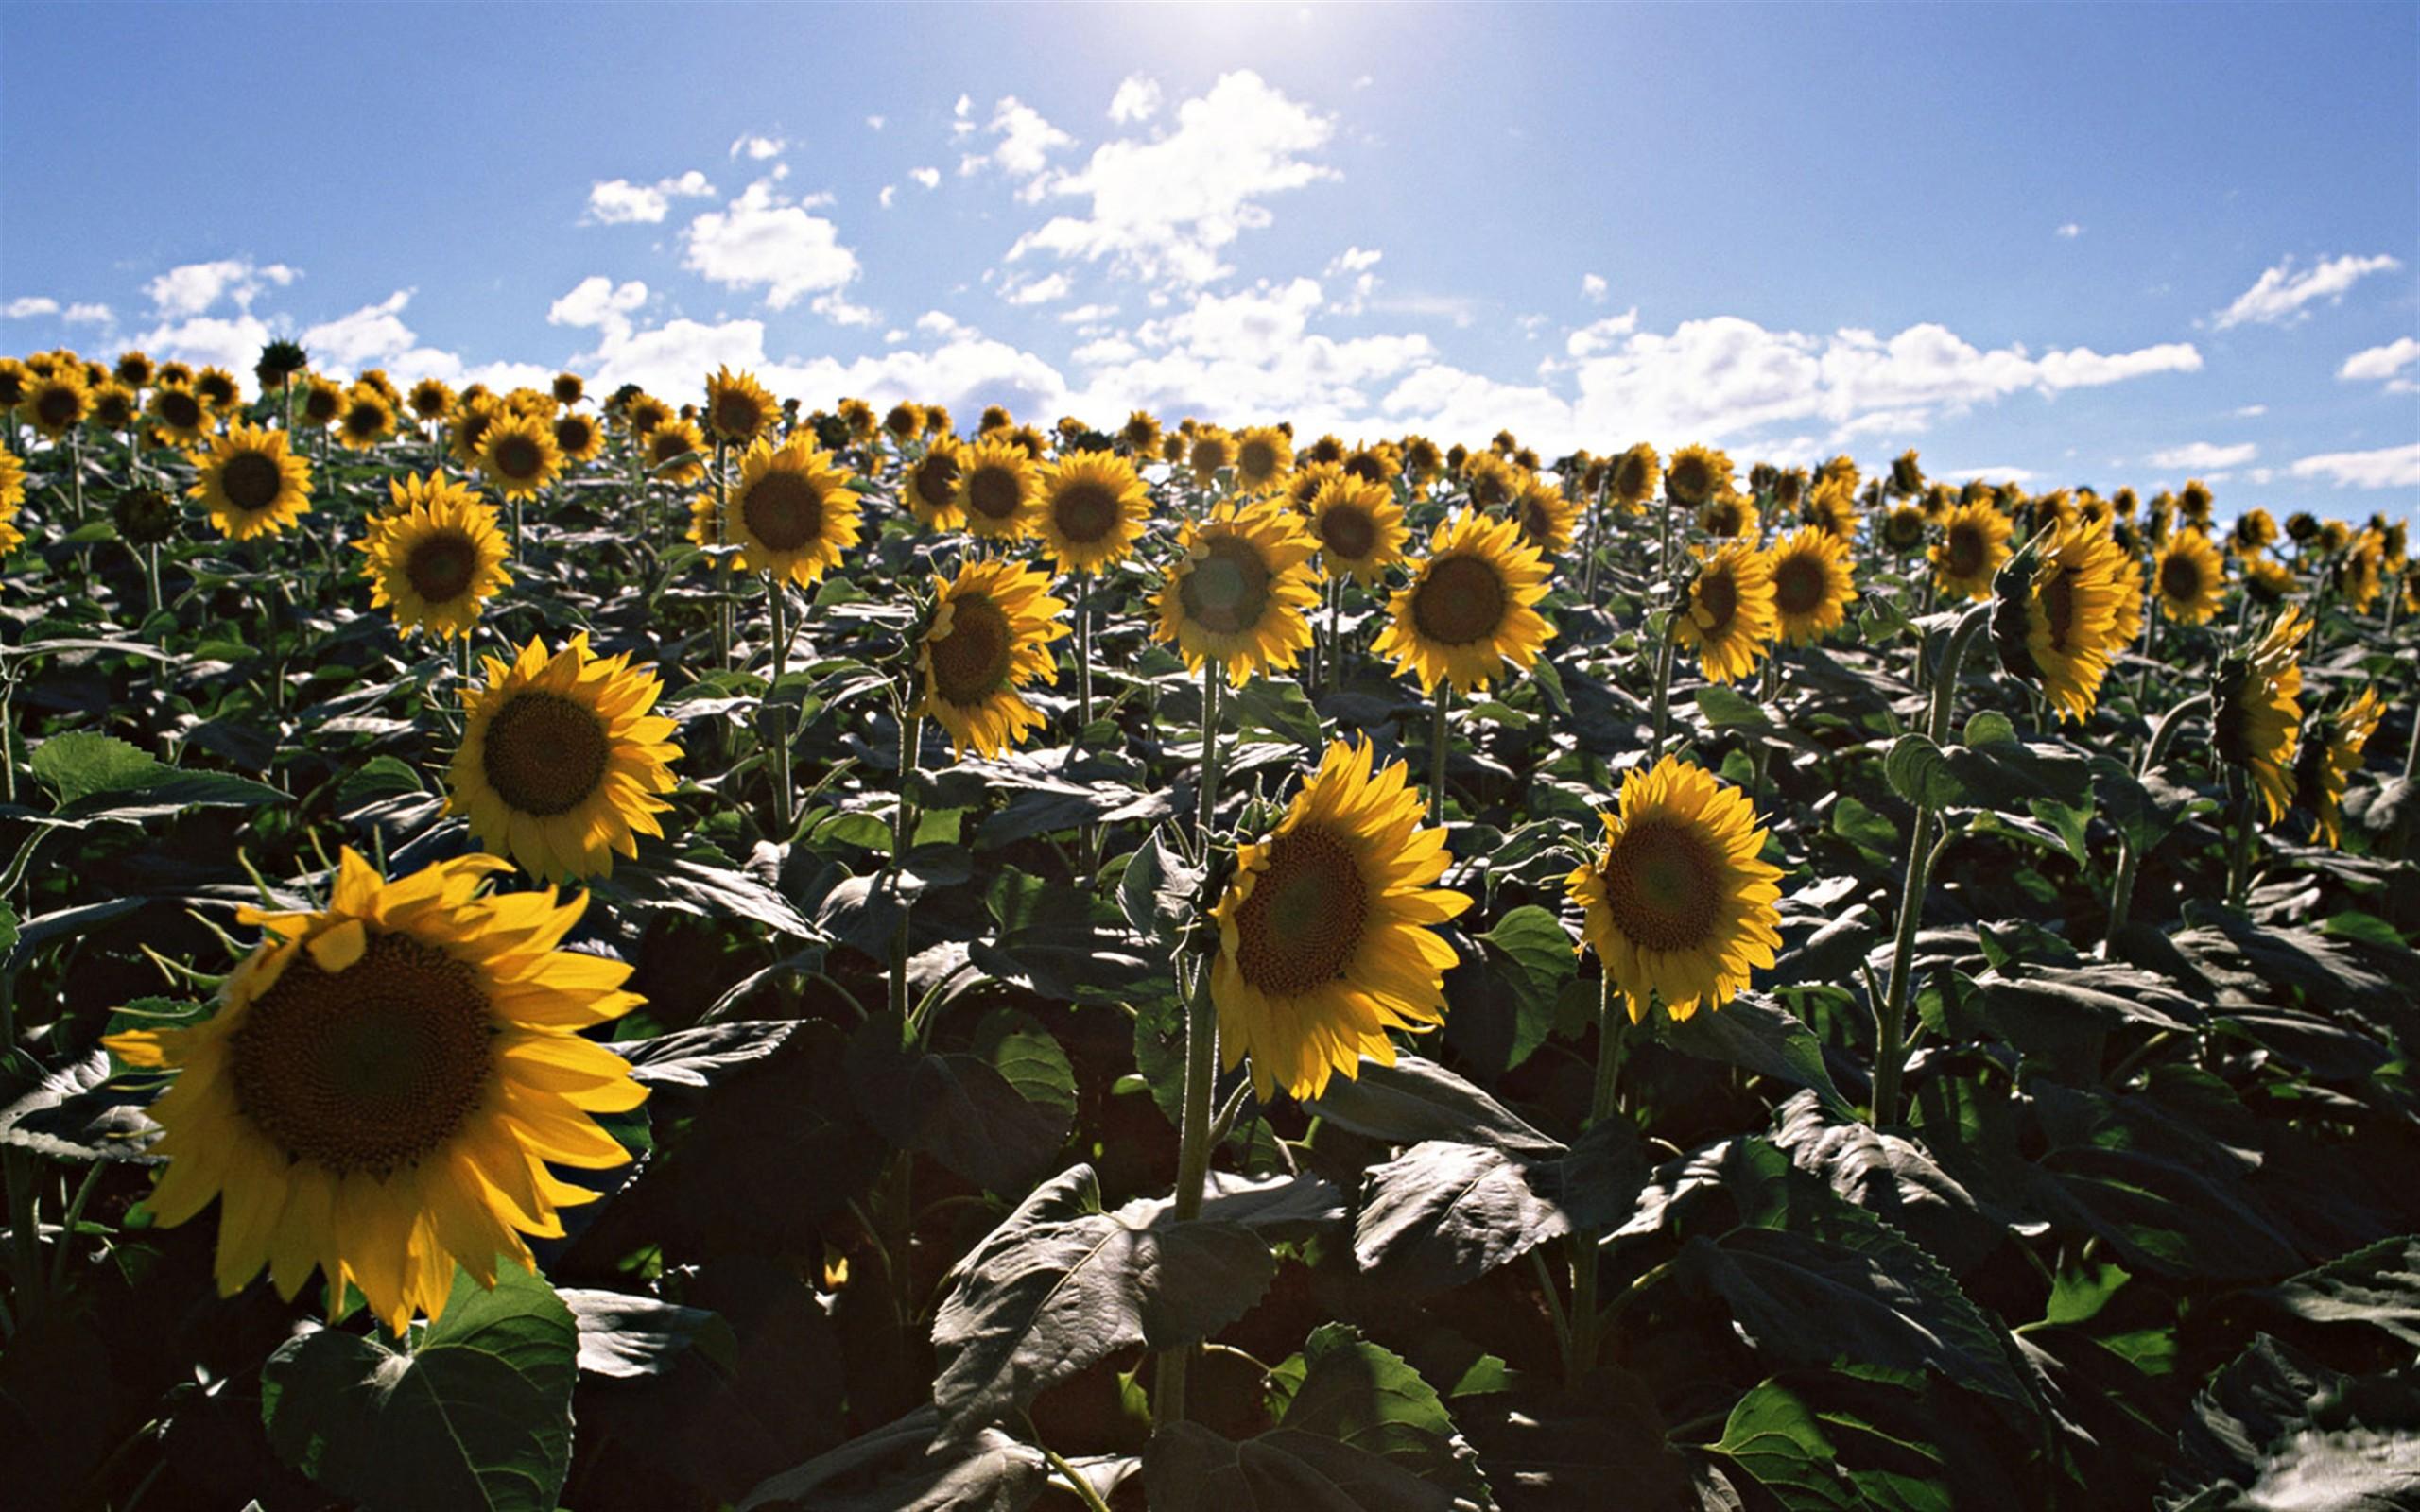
(994, 493)
(1799, 582)
(440, 567)
(56, 406)
(362, 422)
(1663, 886)
(1301, 925)
(1690, 480)
(1461, 602)
(179, 409)
(2180, 578)
(1347, 533)
(1086, 512)
(737, 414)
(1257, 460)
(544, 754)
(1965, 549)
(1718, 594)
(371, 1068)
(784, 510)
(936, 479)
(252, 481)
(971, 663)
(517, 458)
(1227, 591)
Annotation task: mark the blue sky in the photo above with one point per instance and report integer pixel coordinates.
(2073, 244)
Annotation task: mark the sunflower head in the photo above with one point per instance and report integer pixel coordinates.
(791, 512)
(251, 484)
(115, 407)
(1375, 461)
(1678, 905)
(1302, 485)
(436, 556)
(2189, 576)
(578, 435)
(519, 456)
(1729, 617)
(990, 635)
(1729, 516)
(430, 400)
(366, 419)
(322, 401)
(1812, 583)
(2256, 708)
(218, 390)
(1491, 481)
(1695, 474)
(2058, 613)
(1634, 473)
(57, 403)
(1360, 527)
(561, 759)
(1421, 461)
(738, 409)
(931, 485)
(1237, 593)
(1264, 455)
(2194, 503)
(16, 381)
(1903, 529)
(675, 450)
(904, 422)
(1211, 452)
(1140, 435)
(178, 415)
(568, 388)
(1091, 510)
(1324, 943)
(2332, 748)
(1974, 542)
(1906, 477)
(279, 361)
(643, 412)
(144, 517)
(383, 1083)
(1470, 607)
(2255, 531)
(135, 369)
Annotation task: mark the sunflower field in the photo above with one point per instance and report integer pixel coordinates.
(605, 951)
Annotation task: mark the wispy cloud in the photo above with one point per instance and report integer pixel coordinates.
(2278, 297)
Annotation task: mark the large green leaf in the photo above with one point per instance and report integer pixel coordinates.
(1364, 1394)
(2378, 1285)
(1189, 1468)
(101, 777)
(1415, 1100)
(900, 1468)
(2277, 1430)
(1445, 1213)
(1758, 1034)
(478, 1415)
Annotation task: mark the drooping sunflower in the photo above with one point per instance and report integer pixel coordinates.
(1545, 516)
(2331, 754)
(1091, 510)
(57, 403)
(2257, 708)
(368, 418)
(995, 489)
(1730, 617)
(1812, 584)
(1729, 516)
(1469, 608)
(931, 486)
(1264, 455)
(251, 484)
(2268, 581)
(1974, 542)
(2056, 621)
(990, 634)
(519, 456)
(791, 512)
(1360, 527)
(1237, 592)
(1323, 937)
(1491, 481)
(436, 556)
(383, 1083)
(1695, 474)
(561, 760)
(1678, 905)
(738, 409)
(578, 435)
(2190, 577)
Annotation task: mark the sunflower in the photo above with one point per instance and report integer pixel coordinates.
(1093, 509)
(791, 512)
(1677, 904)
(218, 390)
(251, 484)
(1974, 542)
(1141, 434)
(472, 416)
(995, 489)
(368, 418)
(1730, 616)
(1631, 480)
(1323, 937)
(1360, 528)
(578, 435)
(179, 374)
(1421, 461)
(992, 417)
(113, 406)
(2331, 754)
(57, 403)
(322, 401)
(1491, 481)
(931, 486)
(990, 633)
(434, 555)
(178, 417)
(904, 422)
(2358, 576)
(2268, 581)
(675, 451)
(738, 407)
(1831, 508)
(383, 1083)
(561, 759)
(644, 413)
(2056, 621)
(1211, 452)
(1239, 588)
(1903, 528)
(1468, 608)
(12, 498)
(1373, 460)
(1695, 474)
(2255, 531)
(430, 401)
(2194, 503)
(2191, 576)
(2257, 710)
(16, 380)
(1729, 516)
(519, 455)
(1264, 455)
(859, 418)
(135, 369)
(1811, 584)
(1545, 516)
(1302, 485)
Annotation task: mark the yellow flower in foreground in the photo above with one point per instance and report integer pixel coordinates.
(1469, 607)
(1323, 937)
(251, 484)
(435, 555)
(561, 760)
(791, 512)
(383, 1084)
(990, 634)
(1677, 904)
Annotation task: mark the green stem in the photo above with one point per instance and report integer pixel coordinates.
(778, 715)
(1438, 746)
(1192, 1167)
(1663, 696)
(67, 1225)
(2240, 797)
(903, 826)
(1213, 676)
(1083, 657)
(2121, 892)
(1076, 1482)
(1583, 1338)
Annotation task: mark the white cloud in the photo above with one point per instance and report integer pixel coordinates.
(366, 338)
(210, 340)
(890, 192)
(758, 147)
(2071, 230)
(763, 240)
(2393, 467)
(2201, 456)
(620, 202)
(962, 109)
(1602, 336)
(1038, 291)
(29, 307)
(2252, 412)
(1087, 314)
(2381, 362)
(194, 288)
(1137, 99)
(2278, 297)
(1165, 208)
(942, 323)
(878, 122)
(1024, 142)
(2012, 474)
(835, 308)
(88, 315)
(1592, 288)
(1355, 260)
(1107, 349)
(598, 302)
(929, 178)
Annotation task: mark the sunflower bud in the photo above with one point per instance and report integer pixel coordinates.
(144, 517)
(279, 361)
(1906, 479)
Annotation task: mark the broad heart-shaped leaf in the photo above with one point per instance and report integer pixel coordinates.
(1364, 1394)
(1415, 1100)
(899, 1468)
(625, 1336)
(1157, 889)
(1445, 1213)
(476, 1416)
(2378, 1284)
(1189, 1468)
(2004, 774)
(101, 777)
(1841, 1445)
(2275, 1429)
(1540, 962)
(1890, 1175)
(1755, 1034)
(694, 1060)
(703, 884)
(76, 1113)
(1062, 1285)
(962, 1110)
(1277, 705)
